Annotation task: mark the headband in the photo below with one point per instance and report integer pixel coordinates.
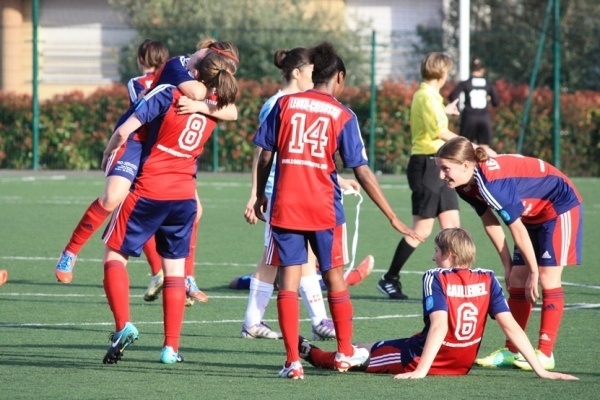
(224, 53)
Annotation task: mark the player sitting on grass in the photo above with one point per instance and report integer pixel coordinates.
(456, 303)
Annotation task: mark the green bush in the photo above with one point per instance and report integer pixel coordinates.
(74, 129)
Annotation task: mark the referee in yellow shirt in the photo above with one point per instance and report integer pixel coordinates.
(431, 197)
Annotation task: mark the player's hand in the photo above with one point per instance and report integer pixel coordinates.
(531, 287)
(558, 376)
(349, 185)
(452, 108)
(185, 105)
(405, 230)
(260, 206)
(105, 158)
(410, 375)
(249, 213)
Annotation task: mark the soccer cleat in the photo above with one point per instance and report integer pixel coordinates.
(193, 291)
(170, 356)
(189, 302)
(260, 331)
(343, 363)
(304, 348)
(391, 288)
(324, 331)
(3, 276)
(365, 268)
(155, 287)
(119, 341)
(547, 362)
(64, 267)
(499, 358)
(293, 371)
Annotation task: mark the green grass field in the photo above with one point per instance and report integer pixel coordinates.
(53, 337)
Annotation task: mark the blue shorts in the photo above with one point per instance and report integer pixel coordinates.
(138, 218)
(126, 161)
(556, 242)
(289, 247)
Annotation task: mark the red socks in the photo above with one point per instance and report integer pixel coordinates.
(173, 309)
(520, 308)
(116, 287)
(340, 307)
(152, 256)
(89, 223)
(553, 304)
(289, 320)
(322, 359)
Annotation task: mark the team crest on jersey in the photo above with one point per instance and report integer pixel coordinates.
(428, 303)
(504, 215)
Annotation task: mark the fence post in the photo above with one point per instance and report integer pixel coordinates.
(556, 124)
(372, 104)
(215, 137)
(35, 106)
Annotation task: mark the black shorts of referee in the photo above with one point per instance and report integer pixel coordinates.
(430, 194)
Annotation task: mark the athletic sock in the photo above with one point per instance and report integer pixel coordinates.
(152, 256)
(92, 219)
(173, 309)
(520, 309)
(289, 320)
(258, 300)
(116, 287)
(402, 254)
(553, 305)
(312, 296)
(340, 307)
(322, 359)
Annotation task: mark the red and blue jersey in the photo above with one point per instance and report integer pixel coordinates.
(139, 85)
(173, 72)
(174, 143)
(468, 296)
(516, 186)
(306, 130)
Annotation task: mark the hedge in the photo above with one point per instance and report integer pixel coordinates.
(74, 128)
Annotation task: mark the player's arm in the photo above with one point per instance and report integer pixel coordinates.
(435, 337)
(368, 182)
(517, 336)
(185, 105)
(496, 234)
(263, 168)
(430, 118)
(119, 137)
(523, 243)
(249, 213)
(193, 89)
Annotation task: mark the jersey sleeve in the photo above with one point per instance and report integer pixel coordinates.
(175, 72)
(434, 298)
(456, 92)
(134, 88)
(155, 103)
(502, 196)
(351, 146)
(497, 301)
(265, 136)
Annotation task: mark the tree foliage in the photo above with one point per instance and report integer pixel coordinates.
(506, 33)
(257, 27)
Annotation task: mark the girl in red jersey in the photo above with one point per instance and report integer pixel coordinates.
(542, 209)
(162, 202)
(305, 130)
(456, 303)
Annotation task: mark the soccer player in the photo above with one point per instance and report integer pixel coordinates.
(430, 198)
(162, 202)
(456, 303)
(542, 209)
(305, 130)
(296, 70)
(121, 171)
(478, 92)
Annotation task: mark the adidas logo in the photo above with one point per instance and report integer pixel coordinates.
(546, 255)
(545, 337)
(549, 307)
